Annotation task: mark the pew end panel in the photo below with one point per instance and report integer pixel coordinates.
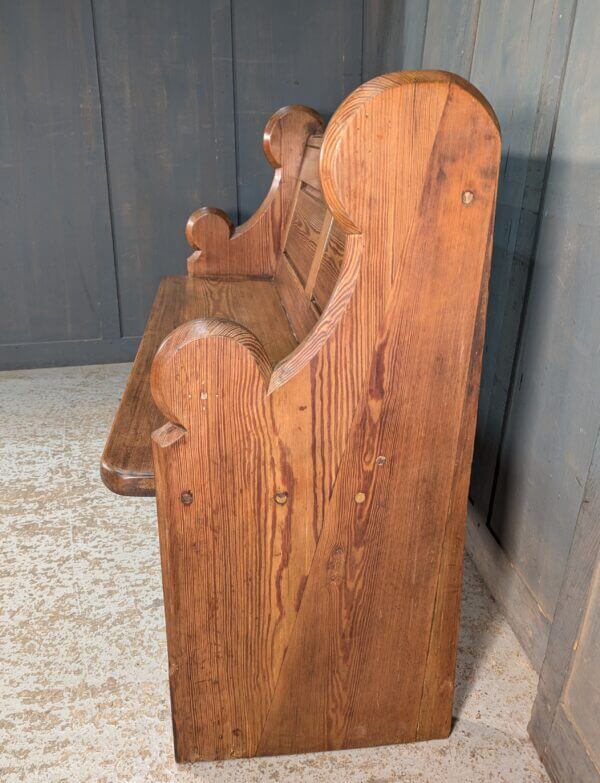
(409, 169)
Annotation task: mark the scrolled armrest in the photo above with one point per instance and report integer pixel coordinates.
(206, 362)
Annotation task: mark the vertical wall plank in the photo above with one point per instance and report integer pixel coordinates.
(582, 694)
(57, 262)
(393, 36)
(166, 79)
(518, 63)
(571, 668)
(554, 414)
(291, 51)
(450, 35)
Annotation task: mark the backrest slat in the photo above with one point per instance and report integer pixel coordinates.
(318, 256)
(300, 311)
(309, 173)
(313, 247)
(305, 228)
(329, 268)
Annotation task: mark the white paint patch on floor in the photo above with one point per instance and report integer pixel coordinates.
(83, 667)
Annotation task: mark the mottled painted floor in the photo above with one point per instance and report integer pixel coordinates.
(83, 672)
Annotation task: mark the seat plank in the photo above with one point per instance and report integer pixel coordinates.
(127, 460)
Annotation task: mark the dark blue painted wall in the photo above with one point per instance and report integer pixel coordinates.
(118, 118)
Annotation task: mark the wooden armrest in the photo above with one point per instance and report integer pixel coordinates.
(208, 354)
(127, 467)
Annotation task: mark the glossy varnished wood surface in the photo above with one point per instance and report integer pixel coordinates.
(307, 223)
(312, 473)
(330, 621)
(224, 535)
(313, 247)
(127, 460)
(327, 271)
(371, 657)
(253, 247)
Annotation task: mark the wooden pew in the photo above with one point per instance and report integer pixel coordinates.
(303, 406)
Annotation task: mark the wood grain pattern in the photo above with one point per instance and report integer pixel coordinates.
(300, 312)
(328, 270)
(253, 247)
(309, 267)
(127, 466)
(209, 377)
(309, 172)
(312, 500)
(545, 100)
(305, 229)
(380, 580)
(127, 460)
(438, 680)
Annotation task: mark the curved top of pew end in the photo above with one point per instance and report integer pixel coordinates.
(207, 227)
(284, 127)
(374, 128)
(406, 155)
(361, 223)
(209, 361)
(204, 220)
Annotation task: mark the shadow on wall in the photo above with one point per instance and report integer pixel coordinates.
(539, 410)
(520, 194)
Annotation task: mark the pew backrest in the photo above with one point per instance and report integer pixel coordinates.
(313, 247)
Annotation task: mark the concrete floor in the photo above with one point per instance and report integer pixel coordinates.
(83, 671)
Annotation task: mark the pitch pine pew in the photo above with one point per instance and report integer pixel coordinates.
(303, 407)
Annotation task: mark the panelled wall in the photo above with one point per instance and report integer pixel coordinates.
(120, 117)
(537, 62)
